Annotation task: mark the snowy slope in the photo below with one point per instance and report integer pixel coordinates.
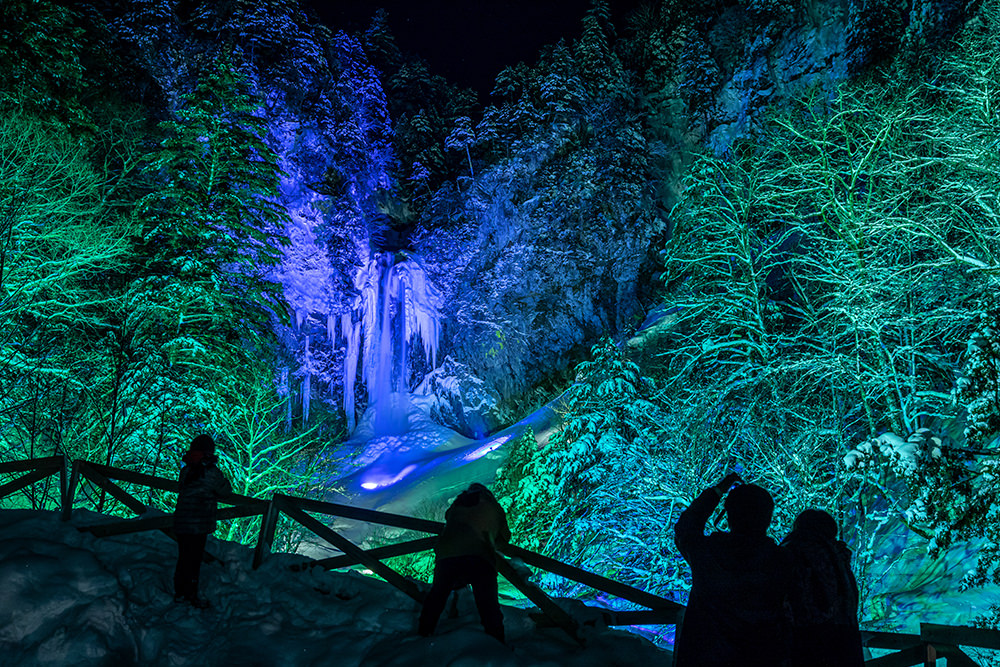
(68, 598)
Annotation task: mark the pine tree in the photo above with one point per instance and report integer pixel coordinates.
(212, 228)
(380, 45)
(601, 69)
(40, 52)
(461, 138)
(701, 74)
(561, 86)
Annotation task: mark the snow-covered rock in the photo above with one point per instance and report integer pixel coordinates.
(458, 399)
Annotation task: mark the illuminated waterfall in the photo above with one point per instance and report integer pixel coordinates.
(395, 304)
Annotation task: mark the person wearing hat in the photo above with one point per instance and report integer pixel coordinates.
(824, 596)
(201, 485)
(465, 554)
(739, 582)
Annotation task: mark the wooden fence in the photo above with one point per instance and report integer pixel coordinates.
(656, 610)
(37, 470)
(933, 642)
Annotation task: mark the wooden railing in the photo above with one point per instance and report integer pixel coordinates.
(933, 642)
(103, 477)
(656, 610)
(37, 470)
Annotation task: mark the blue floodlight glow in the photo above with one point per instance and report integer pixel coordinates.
(486, 448)
(377, 480)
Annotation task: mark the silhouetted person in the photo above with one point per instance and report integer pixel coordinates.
(824, 595)
(735, 614)
(466, 555)
(201, 485)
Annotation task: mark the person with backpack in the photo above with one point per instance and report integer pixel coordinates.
(824, 595)
(465, 554)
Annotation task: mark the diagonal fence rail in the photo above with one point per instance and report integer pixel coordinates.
(933, 642)
(35, 470)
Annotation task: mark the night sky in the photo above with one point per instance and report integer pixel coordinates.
(469, 41)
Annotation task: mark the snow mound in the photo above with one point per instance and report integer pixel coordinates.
(68, 598)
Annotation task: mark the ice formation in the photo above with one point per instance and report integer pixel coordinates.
(395, 305)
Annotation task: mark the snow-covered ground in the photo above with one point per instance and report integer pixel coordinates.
(68, 598)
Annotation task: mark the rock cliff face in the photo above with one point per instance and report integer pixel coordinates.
(811, 51)
(552, 244)
(549, 255)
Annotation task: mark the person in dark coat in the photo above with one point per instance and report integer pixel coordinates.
(824, 595)
(735, 613)
(201, 485)
(465, 554)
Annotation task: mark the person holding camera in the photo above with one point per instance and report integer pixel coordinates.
(739, 581)
(201, 485)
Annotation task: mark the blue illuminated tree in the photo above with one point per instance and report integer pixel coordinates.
(461, 138)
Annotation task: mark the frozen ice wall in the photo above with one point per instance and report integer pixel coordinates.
(395, 306)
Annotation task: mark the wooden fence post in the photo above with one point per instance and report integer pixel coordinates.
(268, 524)
(74, 481)
(63, 483)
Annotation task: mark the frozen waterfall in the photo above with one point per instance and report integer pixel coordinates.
(395, 305)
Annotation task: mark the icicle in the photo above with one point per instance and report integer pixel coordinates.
(380, 387)
(286, 391)
(370, 303)
(306, 384)
(352, 330)
(394, 304)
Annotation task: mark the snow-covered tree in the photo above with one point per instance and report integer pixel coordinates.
(461, 138)
(62, 244)
(978, 389)
(586, 486)
(212, 233)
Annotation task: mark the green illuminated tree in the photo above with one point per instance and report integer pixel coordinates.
(588, 484)
(259, 455)
(62, 246)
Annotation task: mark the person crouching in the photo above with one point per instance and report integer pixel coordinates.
(465, 554)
